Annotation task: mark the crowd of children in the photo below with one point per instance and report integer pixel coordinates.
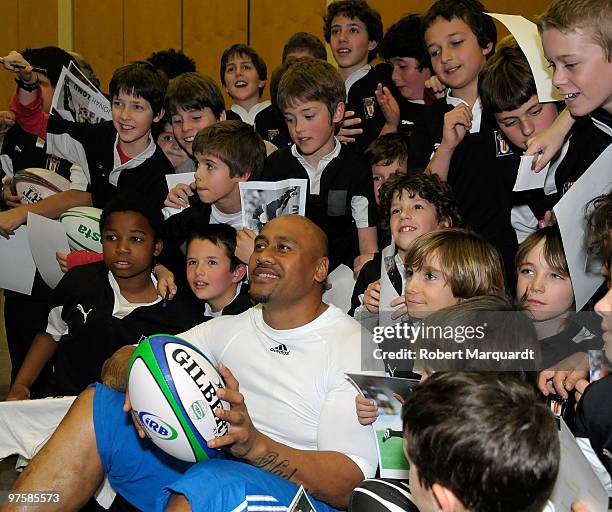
(409, 187)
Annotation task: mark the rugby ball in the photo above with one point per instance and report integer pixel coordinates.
(82, 225)
(33, 185)
(173, 392)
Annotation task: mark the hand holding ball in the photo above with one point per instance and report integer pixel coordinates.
(173, 392)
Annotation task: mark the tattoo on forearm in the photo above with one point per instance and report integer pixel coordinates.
(270, 462)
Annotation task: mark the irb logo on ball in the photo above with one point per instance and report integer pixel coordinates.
(157, 427)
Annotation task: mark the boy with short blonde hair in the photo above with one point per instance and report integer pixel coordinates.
(591, 15)
(340, 197)
(577, 40)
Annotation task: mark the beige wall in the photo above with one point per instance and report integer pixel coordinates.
(25, 23)
(111, 32)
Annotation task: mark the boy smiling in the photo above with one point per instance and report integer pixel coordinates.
(414, 204)
(115, 154)
(577, 42)
(468, 154)
(193, 101)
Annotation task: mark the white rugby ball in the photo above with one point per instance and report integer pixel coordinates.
(173, 391)
(33, 185)
(82, 225)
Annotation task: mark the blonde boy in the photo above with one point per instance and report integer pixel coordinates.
(577, 39)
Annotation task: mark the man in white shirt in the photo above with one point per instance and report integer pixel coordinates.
(292, 419)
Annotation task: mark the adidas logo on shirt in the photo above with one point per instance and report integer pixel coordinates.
(281, 349)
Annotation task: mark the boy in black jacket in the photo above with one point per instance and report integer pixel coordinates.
(459, 37)
(340, 191)
(98, 308)
(353, 30)
(117, 154)
(402, 47)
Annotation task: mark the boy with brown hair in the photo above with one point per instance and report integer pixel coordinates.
(228, 152)
(243, 74)
(510, 99)
(193, 101)
(340, 198)
(387, 155)
(303, 44)
(214, 273)
(402, 47)
(413, 205)
(456, 423)
(353, 30)
(460, 37)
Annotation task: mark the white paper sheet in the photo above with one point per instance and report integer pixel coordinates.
(576, 479)
(571, 217)
(47, 237)
(387, 290)
(173, 180)
(17, 267)
(262, 201)
(342, 284)
(526, 178)
(75, 100)
(526, 34)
